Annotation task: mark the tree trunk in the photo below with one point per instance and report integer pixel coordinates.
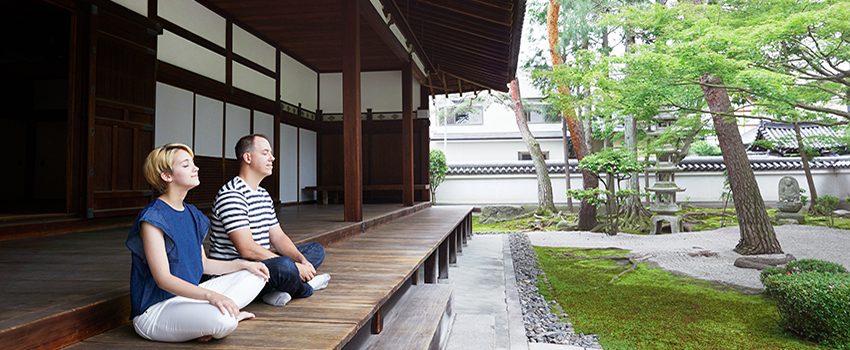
(757, 234)
(813, 193)
(545, 202)
(587, 212)
(565, 133)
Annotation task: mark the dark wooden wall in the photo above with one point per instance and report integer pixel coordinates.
(381, 157)
(122, 95)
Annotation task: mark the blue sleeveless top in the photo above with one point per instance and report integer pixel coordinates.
(184, 235)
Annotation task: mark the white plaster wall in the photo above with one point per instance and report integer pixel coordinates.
(700, 187)
(185, 54)
(330, 92)
(252, 81)
(380, 91)
(209, 121)
(264, 124)
(299, 84)
(237, 122)
(195, 18)
(251, 47)
(496, 189)
(417, 89)
(288, 163)
(137, 6)
(174, 115)
(307, 163)
(493, 151)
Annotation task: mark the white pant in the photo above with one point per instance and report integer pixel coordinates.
(180, 319)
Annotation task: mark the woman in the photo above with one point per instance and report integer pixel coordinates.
(166, 241)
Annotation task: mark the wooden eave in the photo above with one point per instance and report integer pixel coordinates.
(463, 45)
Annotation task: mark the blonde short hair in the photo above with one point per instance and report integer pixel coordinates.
(159, 161)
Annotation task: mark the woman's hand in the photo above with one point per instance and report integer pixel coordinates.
(258, 269)
(226, 305)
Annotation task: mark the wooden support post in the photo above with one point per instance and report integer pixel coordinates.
(444, 259)
(431, 268)
(352, 134)
(377, 322)
(465, 234)
(453, 245)
(461, 230)
(469, 225)
(414, 280)
(407, 132)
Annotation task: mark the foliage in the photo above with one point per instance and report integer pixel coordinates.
(437, 172)
(618, 166)
(649, 308)
(813, 305)
(802, 266)
(825, 205)
(781, 59)
(703, 148)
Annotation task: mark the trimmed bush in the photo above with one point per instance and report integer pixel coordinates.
(803, 265)
(814, 305)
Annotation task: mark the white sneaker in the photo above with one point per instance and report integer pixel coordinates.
(320, 282)
(277, 298)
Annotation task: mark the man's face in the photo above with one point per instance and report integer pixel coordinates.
(262, 158)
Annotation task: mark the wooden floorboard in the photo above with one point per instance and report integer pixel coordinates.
(366, 270)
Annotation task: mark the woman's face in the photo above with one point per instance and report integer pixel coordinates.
(184, 173)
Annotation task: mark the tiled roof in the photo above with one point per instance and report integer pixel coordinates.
(689, 164)
(784, 138)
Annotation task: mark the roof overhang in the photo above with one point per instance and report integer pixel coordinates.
(458, 46)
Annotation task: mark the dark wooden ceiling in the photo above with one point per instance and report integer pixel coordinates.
(465, 45)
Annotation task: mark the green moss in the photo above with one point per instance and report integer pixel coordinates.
(508, 226)
(649, 308)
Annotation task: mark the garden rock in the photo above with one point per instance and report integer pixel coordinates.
(787, 221)
(841, 213)
(761, 262)
(492, 214)
(565, 225)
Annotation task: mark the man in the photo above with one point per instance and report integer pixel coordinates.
(244, 226)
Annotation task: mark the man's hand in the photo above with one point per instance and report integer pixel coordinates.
(306, 270)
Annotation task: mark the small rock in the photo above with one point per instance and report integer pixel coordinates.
(841, 213)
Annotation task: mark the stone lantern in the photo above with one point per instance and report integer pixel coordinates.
(664, 206)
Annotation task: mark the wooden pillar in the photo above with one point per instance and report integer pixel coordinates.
(444, 259)
(352, 135)
(461, 230)
(465, 230)
(453, 245)
(407, 132)
(431, 268)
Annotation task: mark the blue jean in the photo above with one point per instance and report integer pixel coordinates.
(284, 276)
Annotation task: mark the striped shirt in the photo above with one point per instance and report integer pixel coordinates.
(237, 206)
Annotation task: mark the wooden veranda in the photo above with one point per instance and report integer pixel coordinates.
(61, 289)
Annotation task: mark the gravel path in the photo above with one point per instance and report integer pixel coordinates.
(708, 255)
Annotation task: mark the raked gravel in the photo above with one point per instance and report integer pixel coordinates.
(691, 254)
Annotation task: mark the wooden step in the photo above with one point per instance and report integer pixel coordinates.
(420, 319)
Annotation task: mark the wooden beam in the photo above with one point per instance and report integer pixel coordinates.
(352, 135)
(407, 133)
(383, 30)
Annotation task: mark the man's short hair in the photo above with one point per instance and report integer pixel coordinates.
(160, 161)
(246, 144)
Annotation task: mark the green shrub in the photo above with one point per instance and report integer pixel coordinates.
(814, 305)
(703, 148)
(803, 265)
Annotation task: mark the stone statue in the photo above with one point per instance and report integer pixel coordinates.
(789, 203)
